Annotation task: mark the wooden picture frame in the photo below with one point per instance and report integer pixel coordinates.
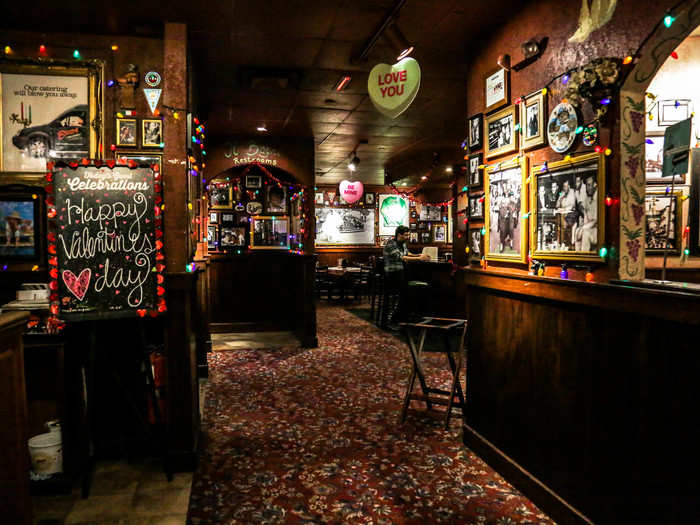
(152, 133)
(221, 198)
(475, 127)
(500, 135)
(505, 189)
(533, 117)
(474, 207)
(269, 232)
(552, 228)
(655, 225)
(36, 129)
(496, 90)
(126, 132)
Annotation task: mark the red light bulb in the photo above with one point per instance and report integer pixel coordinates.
(42, 48)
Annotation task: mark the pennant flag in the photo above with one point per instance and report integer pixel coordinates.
(152, 96)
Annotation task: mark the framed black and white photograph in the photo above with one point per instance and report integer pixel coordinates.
(233, 237)
(253, 181)
(476, 206)
(673, 111)
(220, 198)
(413, 226)
(663, 221)
(318, 197)
(475, 242)
(533, 109)
(213, 237)
(228, 218)
(567, 216)
(344, 226)
(439, 233)
(269, 233)
(413, 237)
(151, 132)
(36, 128)
(506, 203)
(425, 237)
(126, 132)
(496, 89)
(213, 217)
(654, 160)
(275, 199)
(430, 213)
(474, 137)
(500, 133)
(369, 199)
(473, 171)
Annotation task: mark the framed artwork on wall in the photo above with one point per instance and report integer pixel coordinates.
(233, 237)
(220, 198)
(662, 217)
(567, 213)
(506, 204)
(500, 133)
(20, 227)
(152, 133)
(344, 226)
(276, 199)
(673, 111)
(228, 218)
(474, 179)
(369, 199)
(318, 197)
(496, 89)
(533, 110)
(269, 233)
(476, 206)
(475, 242)
(213, 237)
(654, 160)
(213, 217)
(474, 137)
(253, 181)
(413, 237)
(49, 110)
(126, 132)
(439, 233)
(393, 212)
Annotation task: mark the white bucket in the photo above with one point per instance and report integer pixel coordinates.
(46, 453)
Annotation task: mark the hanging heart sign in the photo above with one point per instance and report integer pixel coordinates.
(393, 88)
(351, 191)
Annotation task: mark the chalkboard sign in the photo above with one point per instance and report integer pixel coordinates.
(105, 241)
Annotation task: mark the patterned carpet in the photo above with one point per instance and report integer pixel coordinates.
(311, 436)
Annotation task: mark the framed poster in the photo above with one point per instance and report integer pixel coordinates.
(663, 218)
(673, 111)
(269, 233)
(567, 213)
(221, 198)
(369, 199)
(474, 137)
(496, 89)
(49, 110)
(430, 213)
(506, 204)
(476, 206)
(474, 179)
(275, 199)
(654, 160)
(393, 212)
(499, 130)
(212, 237)
(532, 114)
(108, 242)
(439, 233)
(152, 133)
(344, 226)
(126, 132)
(20, 226)
(232, 237)
(318, 197)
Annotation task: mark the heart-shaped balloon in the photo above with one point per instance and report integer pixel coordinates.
(393, 88)
(351, 191)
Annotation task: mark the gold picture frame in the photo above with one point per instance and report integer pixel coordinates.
(264, 232)
(533, 117)
(221, 198)
(152, 132)
(58, 100)
(500, 217)
(551, 225)
(500, 135)
(126, 132)
(675, 199)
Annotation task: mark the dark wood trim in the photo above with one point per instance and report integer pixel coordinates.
(541, 495)
(664, 304)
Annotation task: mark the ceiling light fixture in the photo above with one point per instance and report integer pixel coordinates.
(398, 42)
(343, 82)
(448, 170)
(354, 162)
(262, 128)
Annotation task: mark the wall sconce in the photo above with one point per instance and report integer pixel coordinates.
(532, 50)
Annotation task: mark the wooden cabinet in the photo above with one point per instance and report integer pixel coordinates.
(15, 503)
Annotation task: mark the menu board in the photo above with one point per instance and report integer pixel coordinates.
(105, 242)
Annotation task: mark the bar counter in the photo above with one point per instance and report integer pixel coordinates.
(588, 390)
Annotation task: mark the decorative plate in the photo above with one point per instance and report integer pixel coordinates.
(561, 127)
(254, 208)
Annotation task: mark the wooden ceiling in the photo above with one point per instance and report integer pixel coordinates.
(276, 62)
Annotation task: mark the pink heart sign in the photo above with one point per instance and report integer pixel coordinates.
(351, 191)
(77, 285)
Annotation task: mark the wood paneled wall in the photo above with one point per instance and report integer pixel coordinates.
(591, 388)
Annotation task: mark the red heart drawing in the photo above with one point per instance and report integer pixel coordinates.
(53, 272)
(77, 285)
(73, 164)
(85, 162)
(111, 163)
